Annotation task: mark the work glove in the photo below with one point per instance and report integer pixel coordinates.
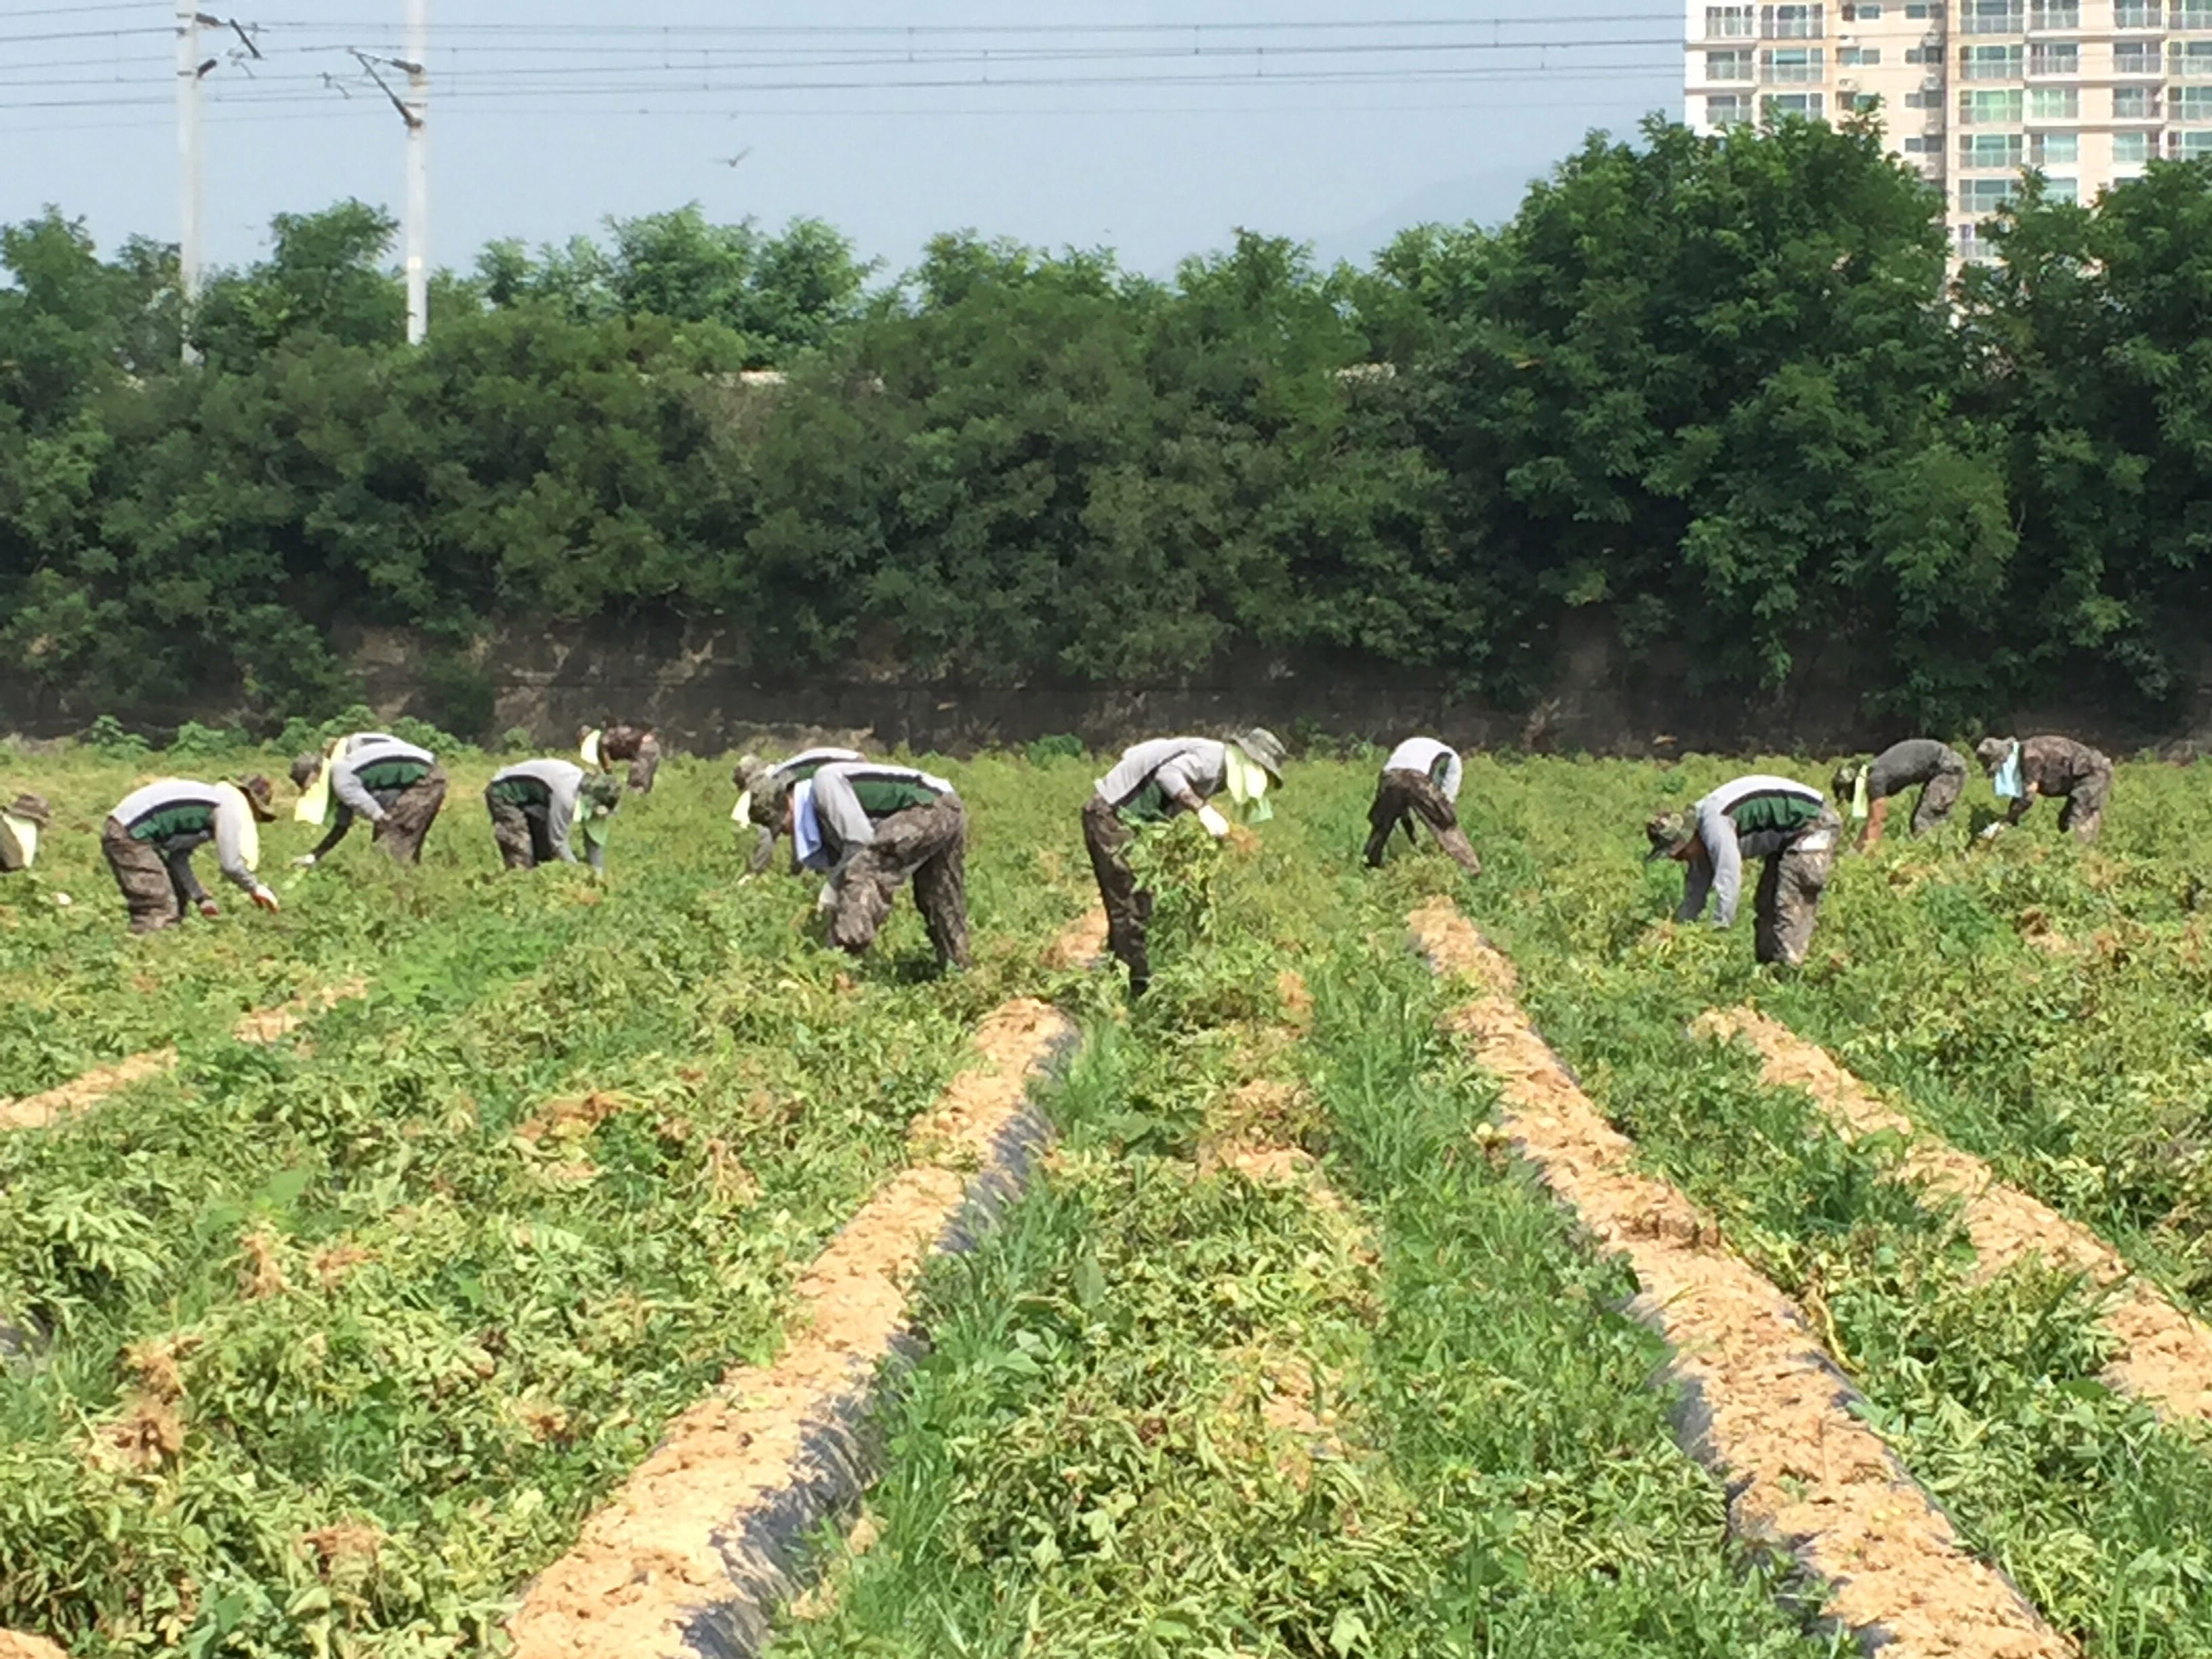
(266, 899)
(305, 861)
(828, 900)
(208, 908)
(1215, 825)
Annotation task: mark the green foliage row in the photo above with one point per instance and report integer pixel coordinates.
(1717, 393)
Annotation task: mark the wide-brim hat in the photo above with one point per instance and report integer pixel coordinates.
(32, 809)
(1669, 834)
(260, 795)
(1264, 750)
(304, 767)
(603, 789)
(1990, 751)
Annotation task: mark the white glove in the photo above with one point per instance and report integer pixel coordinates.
(305, 861)
(1215, 825)
(827, 901)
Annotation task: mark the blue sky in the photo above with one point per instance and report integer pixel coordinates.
(1153, 126)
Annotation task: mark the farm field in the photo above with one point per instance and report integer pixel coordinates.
(339, 1331)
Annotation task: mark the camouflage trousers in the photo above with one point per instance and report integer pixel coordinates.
(1128, 907)
(156, 878)
(2084, 811)
(1787, 903)
(1403, 796)
(1937, 798)
(520, 832)
(926, 844)
(643, 764)
(409, 815)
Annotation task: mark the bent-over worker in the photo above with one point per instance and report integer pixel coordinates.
(635, 746)
(761, 789)
(150, 836)
(1155, 782)
(398, 786)
(539, 807)
(2073, 772)
(1778, 820)
(871, 829)
(1420, 779)
(21, 821)
(1865, 789)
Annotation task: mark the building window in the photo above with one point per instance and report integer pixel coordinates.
(2055, 103)
(2135, 103)
(1972, 245)
(1923, 100)
(2131, 147)
(1731, 109)
(2054, 58)
(2192, 103)
(1915, 146)
(1790, 23)
(1990, 109)
(1792, 65)
(2192, 13)
(2055, 14)
(1728, 66)
(1857, 57)
(1992, 16)
(2055, 148)
(2061, 189)
(2136, 56)
(1990, 62)
(1862, 14)
(2002, 150)
(2192, 60)
(2192, 146)
(2134, 14)
(1916, 11)
(1806, 104)
(1728, 22)
(1983, 197)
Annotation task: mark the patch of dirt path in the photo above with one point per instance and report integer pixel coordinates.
(1768, 1411)
(2166, 1355)
(16, 1645)
(81, 1094)
(1082, 945)
(677, 1562)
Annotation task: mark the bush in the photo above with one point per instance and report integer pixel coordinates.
(106, 735)
(1058, 746)
(195, 742)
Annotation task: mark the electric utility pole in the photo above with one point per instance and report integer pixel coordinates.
(417, 114)
(191, 70)
(414, 110)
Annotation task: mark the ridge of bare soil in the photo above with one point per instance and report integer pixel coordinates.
(2166, 1357)
(694, 1552)
(1766, 1409)
(81, 1094)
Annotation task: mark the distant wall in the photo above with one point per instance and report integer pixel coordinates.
(701, 689)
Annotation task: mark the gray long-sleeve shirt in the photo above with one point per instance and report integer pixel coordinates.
(1437, 761)
(561, 781)
(1754, 817)
(1916, 760)
(356, 774)
(177, 814)
(848, 798)
(805, 764)
(1158, 778)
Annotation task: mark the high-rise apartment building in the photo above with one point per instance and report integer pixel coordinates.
(1972, 91)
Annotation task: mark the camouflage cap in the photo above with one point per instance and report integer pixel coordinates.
(1846, 781)
(304, 767)
(32, 809)
(603, 789)
(1991, 751)
(1670, 833)
(749, 767)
